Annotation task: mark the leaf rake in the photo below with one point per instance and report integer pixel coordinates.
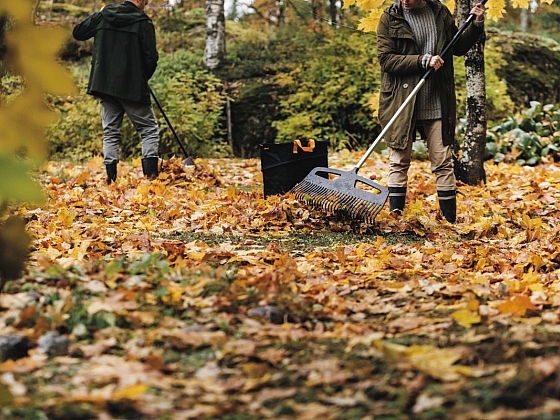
(340, 194)
(188, 159)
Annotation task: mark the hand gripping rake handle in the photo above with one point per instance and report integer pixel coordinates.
(414, 91)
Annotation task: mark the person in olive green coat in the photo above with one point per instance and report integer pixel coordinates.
(410, 35)
(124, 59)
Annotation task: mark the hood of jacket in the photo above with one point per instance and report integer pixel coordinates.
(124, 14)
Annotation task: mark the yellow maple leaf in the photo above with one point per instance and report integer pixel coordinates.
(416, 207)
(436, 362)
(495, 9)
(66, 217)
(517, 305)
(522, 4)
(465, 318)
(369, 23)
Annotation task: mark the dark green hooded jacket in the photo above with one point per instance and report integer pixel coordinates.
(401, 69)
(124, 52)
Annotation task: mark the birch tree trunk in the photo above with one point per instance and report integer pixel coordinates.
(215, 51)
(524, 25)
(470, 163)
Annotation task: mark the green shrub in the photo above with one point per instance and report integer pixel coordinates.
(328, 93)
(194, 101)
(526, 138)
(77, 135)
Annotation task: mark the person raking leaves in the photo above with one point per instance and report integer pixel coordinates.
(409, 36)
(124, 59)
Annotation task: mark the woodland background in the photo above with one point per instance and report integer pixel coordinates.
(296, 78)
(192, 296)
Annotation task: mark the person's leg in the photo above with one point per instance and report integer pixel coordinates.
(441, 160)
(145, 123)
(112, 113)
(397, 180)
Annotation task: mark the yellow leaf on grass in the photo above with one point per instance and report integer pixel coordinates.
(66, 217)
(436, 362)
(465, 317)
(130, 392)
(473, 305)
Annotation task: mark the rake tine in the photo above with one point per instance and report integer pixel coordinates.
(340, 195)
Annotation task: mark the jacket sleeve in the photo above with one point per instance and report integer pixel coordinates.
(150, 55)
(391, 59)
(86, 29)
(467, 39)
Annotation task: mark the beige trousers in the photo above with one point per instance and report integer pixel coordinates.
(441, 158)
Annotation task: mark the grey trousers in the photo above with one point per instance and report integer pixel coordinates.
(142, 117)
(441, 159)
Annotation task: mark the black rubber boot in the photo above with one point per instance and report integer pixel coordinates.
(397, 199)
(111, 169)
(448, 205)
(150, 167)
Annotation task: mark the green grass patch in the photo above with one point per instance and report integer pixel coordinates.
(298, 241)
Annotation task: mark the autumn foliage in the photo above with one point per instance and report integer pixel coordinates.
(193, 296)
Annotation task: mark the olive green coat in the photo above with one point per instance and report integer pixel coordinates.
(401, 69)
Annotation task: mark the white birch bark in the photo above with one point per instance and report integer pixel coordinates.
(215, 51)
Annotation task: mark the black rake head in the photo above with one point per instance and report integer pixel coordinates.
(341, 195)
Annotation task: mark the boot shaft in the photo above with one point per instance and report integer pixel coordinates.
(397, 199)
(111, 169)
(150, 167)
(448, 205)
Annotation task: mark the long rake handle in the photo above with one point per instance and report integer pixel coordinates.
(181, 144)
(412, 94)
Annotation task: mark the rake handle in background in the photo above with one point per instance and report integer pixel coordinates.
(181, 144)
(414, 92)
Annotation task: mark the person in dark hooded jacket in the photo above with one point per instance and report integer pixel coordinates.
(410, 35)
(124, 59)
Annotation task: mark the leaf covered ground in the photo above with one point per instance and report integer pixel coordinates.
(193, 297)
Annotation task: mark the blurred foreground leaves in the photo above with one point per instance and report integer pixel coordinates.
(30, 52)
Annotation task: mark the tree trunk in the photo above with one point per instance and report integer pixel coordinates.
(215, 51)
(470, 163)
(333, 10)
(524, 26)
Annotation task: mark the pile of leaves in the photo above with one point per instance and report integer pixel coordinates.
(192, 296)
